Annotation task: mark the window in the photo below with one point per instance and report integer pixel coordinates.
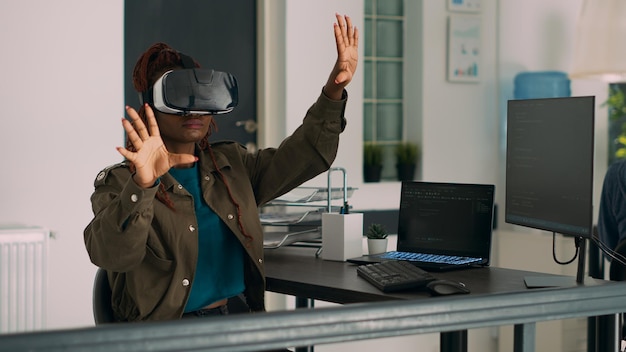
(383, 78)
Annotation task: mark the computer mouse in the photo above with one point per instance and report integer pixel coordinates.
(446, 287)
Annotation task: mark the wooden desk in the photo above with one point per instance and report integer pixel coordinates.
(296, 271)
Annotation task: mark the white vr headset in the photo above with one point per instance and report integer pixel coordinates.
(193, 91)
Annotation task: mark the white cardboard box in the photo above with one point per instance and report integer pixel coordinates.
(342, 236)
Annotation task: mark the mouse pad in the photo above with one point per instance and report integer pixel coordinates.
(549, 281)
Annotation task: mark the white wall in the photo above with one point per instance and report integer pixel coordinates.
(459, 122)
(310, 56)
(62, 99)
(52, 149)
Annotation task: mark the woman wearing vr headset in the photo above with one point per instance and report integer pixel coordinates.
(176, 224)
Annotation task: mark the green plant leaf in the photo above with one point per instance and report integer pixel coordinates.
(616, 102)
(407, 153)
(376, 231)
(372, 154)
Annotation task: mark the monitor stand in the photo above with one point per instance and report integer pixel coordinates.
(582, 258)
(562, 281)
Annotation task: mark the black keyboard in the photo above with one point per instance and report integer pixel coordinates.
(394, 275)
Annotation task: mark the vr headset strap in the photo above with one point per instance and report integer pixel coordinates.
(187, 61)
(146, 97)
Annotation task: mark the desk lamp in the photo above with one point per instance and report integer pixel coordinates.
(599, 51)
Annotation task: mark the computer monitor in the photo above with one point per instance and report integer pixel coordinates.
(549, 164)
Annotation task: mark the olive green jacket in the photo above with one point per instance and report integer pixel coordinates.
(150, 250)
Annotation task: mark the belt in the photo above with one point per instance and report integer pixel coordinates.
(207, 312)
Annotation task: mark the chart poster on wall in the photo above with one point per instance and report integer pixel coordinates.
(464, 5)
(464, 46)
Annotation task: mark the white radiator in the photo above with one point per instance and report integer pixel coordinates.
(23, 278)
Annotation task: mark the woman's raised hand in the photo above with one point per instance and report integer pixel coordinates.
(347, 42)
(151, 158)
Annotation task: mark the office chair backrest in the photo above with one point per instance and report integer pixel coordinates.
(102, 311)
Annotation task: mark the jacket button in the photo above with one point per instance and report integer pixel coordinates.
(260, 261)
(207, 177)
(180, 186)
(192, 228)
(133, 198)
(185, 282)
(231, 216)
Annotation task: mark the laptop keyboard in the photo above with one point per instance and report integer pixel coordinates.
(429, 258)
(394, 275)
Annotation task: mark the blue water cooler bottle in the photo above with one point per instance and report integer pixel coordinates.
(541, 84)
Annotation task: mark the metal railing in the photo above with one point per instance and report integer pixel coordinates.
(304, 327)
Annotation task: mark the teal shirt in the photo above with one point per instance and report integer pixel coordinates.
(219, 270)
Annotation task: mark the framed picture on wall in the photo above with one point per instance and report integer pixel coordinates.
(464, 49)
(464, 5)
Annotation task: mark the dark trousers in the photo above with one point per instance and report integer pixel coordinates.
(235, 305)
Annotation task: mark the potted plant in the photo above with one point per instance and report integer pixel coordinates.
(406, 160)
(376, 238)
(616, 104)
(372, 161)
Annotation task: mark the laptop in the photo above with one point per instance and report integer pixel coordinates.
(442, 226)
